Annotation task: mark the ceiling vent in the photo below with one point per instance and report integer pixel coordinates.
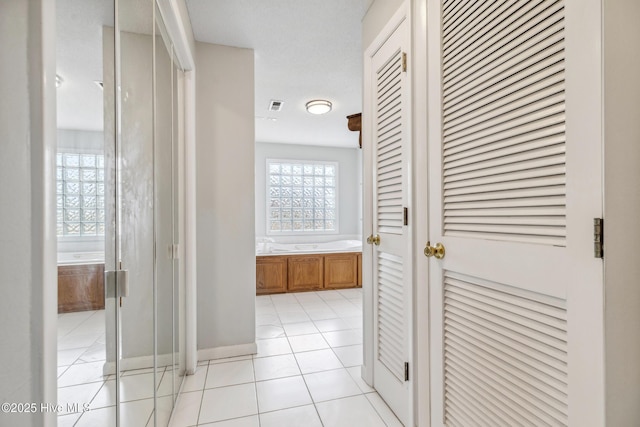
(275, 105)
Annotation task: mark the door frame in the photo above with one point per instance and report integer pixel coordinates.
(420, 214)
(178, 27)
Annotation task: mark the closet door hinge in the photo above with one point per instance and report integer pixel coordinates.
(598, 238)
(404, 62)
(406, 371)
(405, 217)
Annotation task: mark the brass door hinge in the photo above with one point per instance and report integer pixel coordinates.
(598, 238)
(405, 217)
(406, 371)
(404, 62)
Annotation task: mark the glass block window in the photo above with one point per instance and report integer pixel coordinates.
(301, 197)
(80, 194)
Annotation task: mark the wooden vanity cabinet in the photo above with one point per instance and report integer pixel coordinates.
(271, 274)
(310, 272)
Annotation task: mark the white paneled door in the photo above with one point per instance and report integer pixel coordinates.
(514, 187)
(390, 144)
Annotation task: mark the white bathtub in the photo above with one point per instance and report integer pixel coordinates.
(74, 258)
(310, 248)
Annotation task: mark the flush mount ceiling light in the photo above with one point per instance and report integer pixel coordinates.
(318, 106)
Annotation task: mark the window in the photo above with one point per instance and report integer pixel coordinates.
(80, 194)
(301, 197)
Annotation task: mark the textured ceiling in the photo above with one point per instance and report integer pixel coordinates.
(304, 50)
(79, 61)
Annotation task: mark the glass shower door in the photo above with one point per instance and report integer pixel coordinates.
(170, 366)
(142, 240)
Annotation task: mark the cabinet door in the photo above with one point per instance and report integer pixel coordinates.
(271, 275)
(305, 273)
(340, 271)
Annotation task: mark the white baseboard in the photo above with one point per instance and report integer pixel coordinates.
(227, 351)
(140, 362)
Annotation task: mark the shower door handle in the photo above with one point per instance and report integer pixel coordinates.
(116, 283)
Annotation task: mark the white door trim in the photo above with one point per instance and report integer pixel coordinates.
(419, 216)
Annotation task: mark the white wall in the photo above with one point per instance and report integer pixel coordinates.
(349, 201)
(225, 199)
(80, 141)
(622, 211)
(27, 217)
(376, 18)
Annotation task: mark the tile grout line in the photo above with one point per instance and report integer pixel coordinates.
(255, 390)
(204, 386)
(308, 391)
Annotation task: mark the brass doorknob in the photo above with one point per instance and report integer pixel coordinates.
(437, 251)
(373, 240)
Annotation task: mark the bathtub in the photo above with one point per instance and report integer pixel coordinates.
(75, 258)
(309, 248)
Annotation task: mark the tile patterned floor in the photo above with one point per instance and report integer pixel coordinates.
(81, 356)
(306, 372)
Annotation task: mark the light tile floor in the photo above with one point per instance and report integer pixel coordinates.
(306, 372)
(81, 356)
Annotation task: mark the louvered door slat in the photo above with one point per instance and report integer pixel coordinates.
(455, 16)
(464, 398)
(451, 7)
(551, 164)
(544, 359)
(526, 395)
(545, 55)
(505, 346)
(525, 375)
(503, 120)
(496, 389)
(506, 95)
(544, 100)
(478, 28)
(465, 413)
(509, 185)
(471, 48)
(552, 326)
(542, 337)
(390, 313)
(513, 39)
(515, 213)
(513, 334)
(389, 145)
(548, 135)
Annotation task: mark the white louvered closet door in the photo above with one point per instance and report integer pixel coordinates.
(391, 261)
(515, 183)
